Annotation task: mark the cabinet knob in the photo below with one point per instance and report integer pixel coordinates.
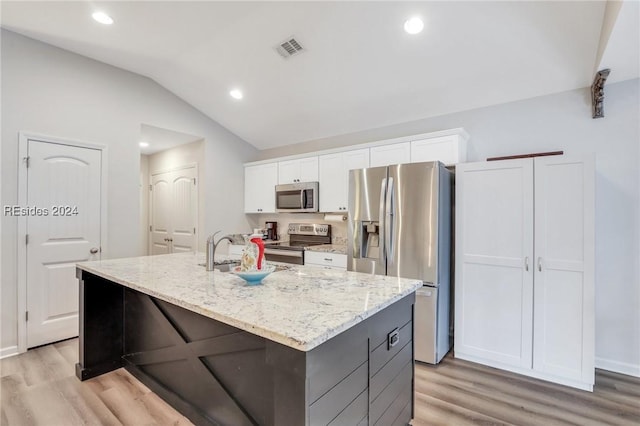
(93, 250)
(540, 264)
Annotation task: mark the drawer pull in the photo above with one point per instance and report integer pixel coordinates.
(393, 338)
(328, 259)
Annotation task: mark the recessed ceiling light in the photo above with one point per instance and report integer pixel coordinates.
(236, 94)
(413, 25)
(144, 144)
(103, 18)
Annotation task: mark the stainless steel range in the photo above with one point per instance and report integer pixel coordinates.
(301, 235)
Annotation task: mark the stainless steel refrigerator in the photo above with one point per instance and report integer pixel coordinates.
(400, 225)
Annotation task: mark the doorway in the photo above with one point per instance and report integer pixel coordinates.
(171, 190)
(61, 186)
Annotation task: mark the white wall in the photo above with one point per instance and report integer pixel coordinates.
(191, 153)
(563, 122)
(51, 91)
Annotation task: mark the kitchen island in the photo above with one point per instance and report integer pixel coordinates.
(308, 346)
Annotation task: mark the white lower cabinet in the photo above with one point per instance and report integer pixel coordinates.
(524, 290)
(326, 260)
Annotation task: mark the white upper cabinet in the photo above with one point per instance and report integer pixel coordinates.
(298, 170)
(331, 169)
(334, 177)
(259, 188)
(450, 150)
(386, 155)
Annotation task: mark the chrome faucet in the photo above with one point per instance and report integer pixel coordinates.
(211, 249)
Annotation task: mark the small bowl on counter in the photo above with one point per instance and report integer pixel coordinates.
(253, 277)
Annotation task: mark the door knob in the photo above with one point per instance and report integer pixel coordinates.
(93, 250)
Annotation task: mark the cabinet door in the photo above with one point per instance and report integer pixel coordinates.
(494, 271)
(386, 155)
(334, 177)
(299, 170)
(356, 159)
(288, 171)
(259, 188)
(564, 276)
(446, 149)
(308, 169)
(333, 191)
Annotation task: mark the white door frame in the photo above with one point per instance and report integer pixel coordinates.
(152, 173)
(24, 138)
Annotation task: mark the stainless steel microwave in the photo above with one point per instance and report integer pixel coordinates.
(297, 197)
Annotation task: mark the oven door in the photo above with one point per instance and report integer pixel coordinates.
(286, 256)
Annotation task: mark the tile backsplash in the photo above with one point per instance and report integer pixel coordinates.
(338, 229)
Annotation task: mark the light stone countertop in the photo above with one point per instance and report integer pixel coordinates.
(328, 248)
(301, 307)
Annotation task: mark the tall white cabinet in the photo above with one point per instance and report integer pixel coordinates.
(524, 292)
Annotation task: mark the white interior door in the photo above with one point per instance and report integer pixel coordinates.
(65, 180)
(494, 271)
(564, 250)
(173, 211)
(184, 217)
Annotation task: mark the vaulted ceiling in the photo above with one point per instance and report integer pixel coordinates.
(359, 69)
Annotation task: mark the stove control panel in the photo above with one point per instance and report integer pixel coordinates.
(309, 229)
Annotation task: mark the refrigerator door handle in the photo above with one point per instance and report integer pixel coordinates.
(381, 223)
(389, 220)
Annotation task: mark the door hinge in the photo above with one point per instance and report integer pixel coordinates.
(150, 228)
(26, 161)
(26, 316)
(150, 187)
(194, 181)
(194, 230)
(26, 239)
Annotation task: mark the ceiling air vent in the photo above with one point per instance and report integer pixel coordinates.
(289, 48)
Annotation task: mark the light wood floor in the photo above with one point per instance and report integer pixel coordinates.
(457, 392)
(40, 388)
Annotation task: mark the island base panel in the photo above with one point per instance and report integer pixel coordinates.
(214, 373)
(101, 326)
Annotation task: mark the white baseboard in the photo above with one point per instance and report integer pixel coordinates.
(618, 367)
(9, 351)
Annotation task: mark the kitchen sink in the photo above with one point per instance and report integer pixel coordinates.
(224, 265)
(227, 265)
